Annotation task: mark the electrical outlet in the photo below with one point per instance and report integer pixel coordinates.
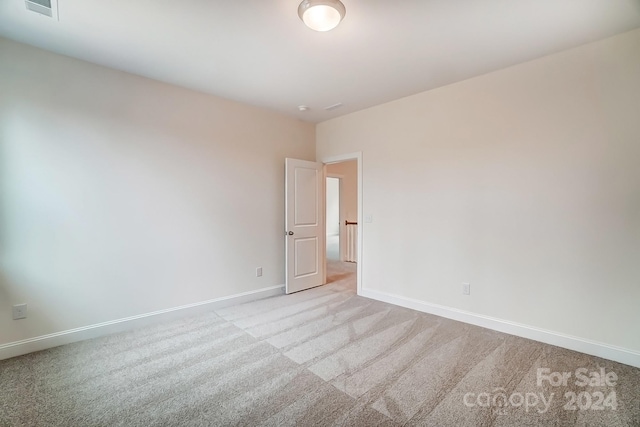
(259, 272)
(466, 289)
(19, 311)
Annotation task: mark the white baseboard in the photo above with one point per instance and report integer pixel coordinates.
(606, 351)
(43, 342)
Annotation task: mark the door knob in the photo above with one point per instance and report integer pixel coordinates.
(290, 233)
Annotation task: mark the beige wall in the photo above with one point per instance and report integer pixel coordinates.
(120, 195)
(524, 182)
(348, 171)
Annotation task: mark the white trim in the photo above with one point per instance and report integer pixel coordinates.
(594, 348)
(43, 342)
(341, 158)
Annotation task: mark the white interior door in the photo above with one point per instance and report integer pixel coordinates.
(304, 222)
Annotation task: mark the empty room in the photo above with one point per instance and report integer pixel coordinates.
(320, 213)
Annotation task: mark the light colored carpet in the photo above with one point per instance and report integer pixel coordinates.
(322, 357)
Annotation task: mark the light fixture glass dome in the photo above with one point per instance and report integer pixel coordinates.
(321, 15)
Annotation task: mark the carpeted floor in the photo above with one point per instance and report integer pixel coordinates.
(322, 357)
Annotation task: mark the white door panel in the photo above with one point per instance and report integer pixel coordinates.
(304, 194)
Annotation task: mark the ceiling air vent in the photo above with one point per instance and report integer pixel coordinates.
(44, 7)
(334, 106)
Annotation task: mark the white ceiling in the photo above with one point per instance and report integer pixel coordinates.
(259, 52)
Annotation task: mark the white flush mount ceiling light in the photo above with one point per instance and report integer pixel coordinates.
(321, 15)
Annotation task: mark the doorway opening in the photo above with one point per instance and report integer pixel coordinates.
(305, 225)
(341, 222)
(333, 216)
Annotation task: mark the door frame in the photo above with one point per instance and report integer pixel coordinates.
(337, 159)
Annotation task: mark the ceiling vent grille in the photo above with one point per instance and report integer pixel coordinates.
(334, 106)
(44, 7)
